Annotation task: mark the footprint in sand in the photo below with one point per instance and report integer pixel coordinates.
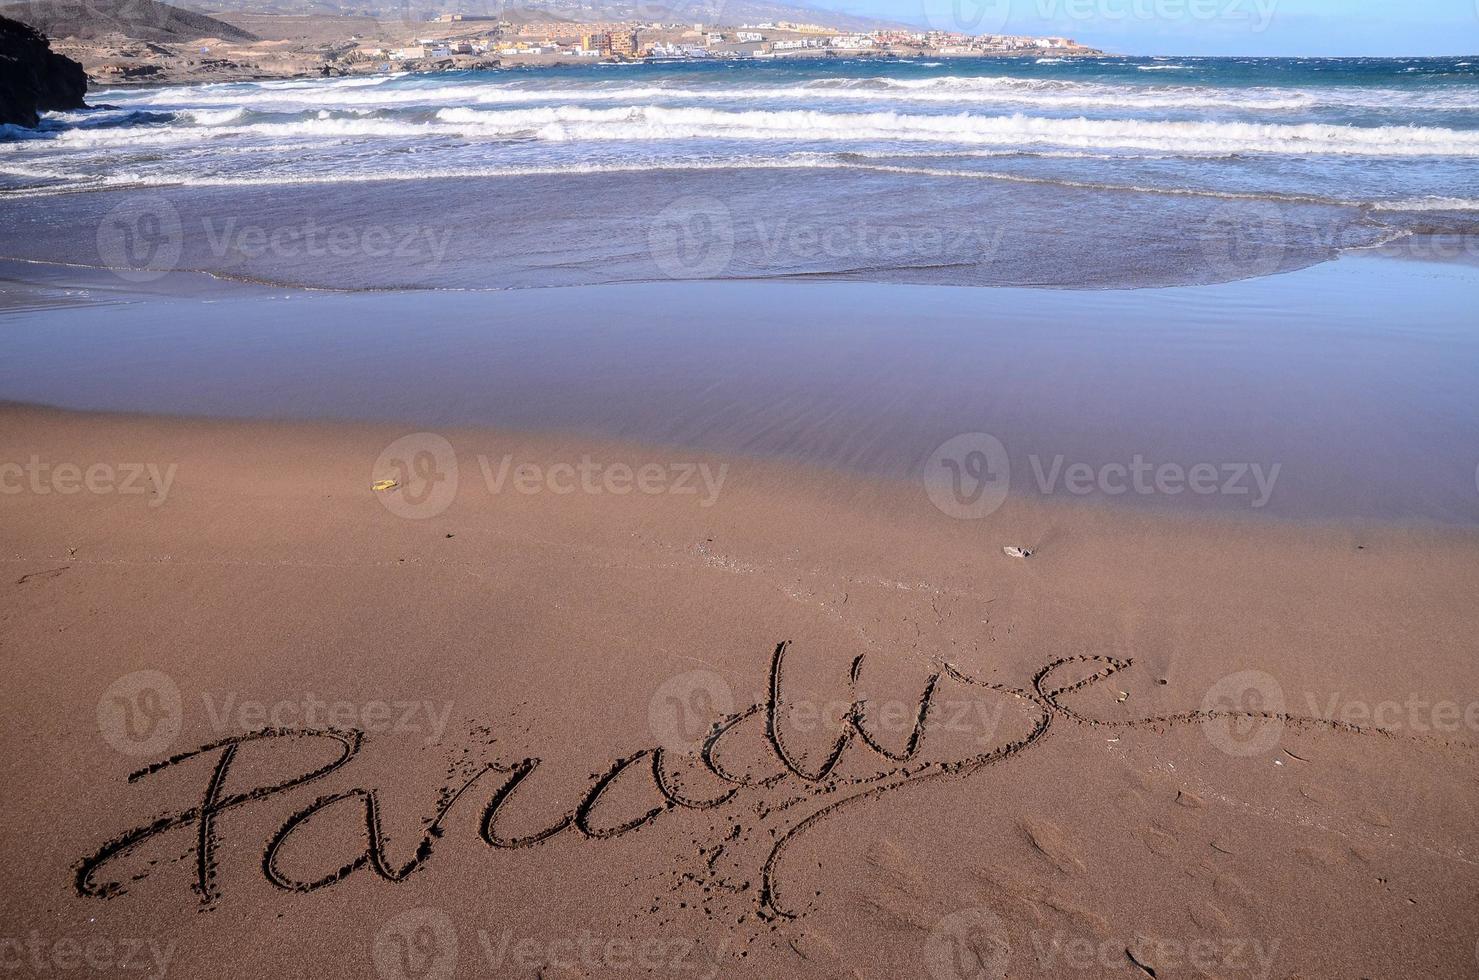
(1233, 890)
(1209, 917)
(1052, 844)
(895, 888)
(1375, 816)
(1159, 841)
(1318, 857)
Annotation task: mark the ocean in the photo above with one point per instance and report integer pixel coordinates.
(1098, 173)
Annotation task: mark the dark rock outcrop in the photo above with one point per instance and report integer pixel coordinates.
(33, 78)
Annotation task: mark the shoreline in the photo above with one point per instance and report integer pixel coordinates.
(865, 388)
(1048, 509)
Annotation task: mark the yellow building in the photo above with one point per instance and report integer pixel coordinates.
(624, 43)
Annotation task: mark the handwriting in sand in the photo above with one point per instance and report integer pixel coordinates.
(497, 784)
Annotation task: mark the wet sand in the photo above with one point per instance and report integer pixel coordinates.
(1342, 392)
(1178, 743)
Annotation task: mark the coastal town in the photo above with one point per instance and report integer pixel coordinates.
(147, 42)
(453, 36)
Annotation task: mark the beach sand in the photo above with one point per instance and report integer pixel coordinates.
(1163, 745)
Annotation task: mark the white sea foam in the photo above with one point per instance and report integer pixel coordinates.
(1429, 204)
(946, 90)
(215, 117)
(1152, 135)
(659, 123)
(641, 123)
(76, 182)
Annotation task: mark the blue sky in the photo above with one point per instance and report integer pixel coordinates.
(1271, 27)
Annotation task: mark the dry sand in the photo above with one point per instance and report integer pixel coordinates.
(1096, 786)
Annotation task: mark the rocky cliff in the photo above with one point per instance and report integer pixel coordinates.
(33, 78)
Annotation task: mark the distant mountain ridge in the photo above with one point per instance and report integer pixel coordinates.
(709, 12)
(142, 20)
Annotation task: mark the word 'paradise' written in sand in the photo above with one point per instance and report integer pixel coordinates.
(858, 768)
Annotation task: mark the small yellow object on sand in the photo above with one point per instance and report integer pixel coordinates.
(381, 486)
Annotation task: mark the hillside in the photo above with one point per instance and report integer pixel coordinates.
(725, 12)
(142, 20)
